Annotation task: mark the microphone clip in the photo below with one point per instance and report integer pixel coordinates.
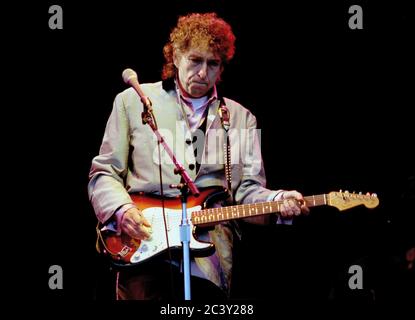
(147, 116)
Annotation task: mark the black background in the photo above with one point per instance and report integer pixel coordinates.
(333, 105)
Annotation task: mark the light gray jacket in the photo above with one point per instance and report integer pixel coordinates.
(128, 163)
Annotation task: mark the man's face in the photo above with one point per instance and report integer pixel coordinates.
(198, 71)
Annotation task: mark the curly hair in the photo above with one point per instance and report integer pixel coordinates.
(197, 30)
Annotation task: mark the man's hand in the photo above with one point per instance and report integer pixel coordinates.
(293, 204)
(135, 225)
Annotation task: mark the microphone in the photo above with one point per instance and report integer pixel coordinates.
(130, 77)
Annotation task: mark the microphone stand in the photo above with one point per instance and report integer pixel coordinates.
(184, 187)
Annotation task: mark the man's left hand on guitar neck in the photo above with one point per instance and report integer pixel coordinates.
(293, 204)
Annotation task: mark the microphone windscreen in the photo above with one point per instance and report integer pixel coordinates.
(128, 75)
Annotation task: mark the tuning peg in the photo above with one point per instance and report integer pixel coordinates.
(341, 191)
(360, 193)
(368, 193)
(346, 191)
(374, 195)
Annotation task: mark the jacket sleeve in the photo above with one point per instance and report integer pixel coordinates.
(109, 169)
(253, 182)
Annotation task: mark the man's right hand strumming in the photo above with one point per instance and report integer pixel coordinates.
(135, 225)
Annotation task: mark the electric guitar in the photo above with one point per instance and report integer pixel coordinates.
(125, 250)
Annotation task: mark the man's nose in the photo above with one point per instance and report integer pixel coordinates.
(203, 71)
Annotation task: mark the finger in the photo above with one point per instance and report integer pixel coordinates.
(293, 207)
(145, 232)
(303, 206)
(284, 209)
(138, 218)
(145, 222)
(138, 232)
(287, 210)
(297, 208)
(305, 209)
(128, 223)
(132, 232)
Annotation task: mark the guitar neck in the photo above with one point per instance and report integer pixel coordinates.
(249, 210)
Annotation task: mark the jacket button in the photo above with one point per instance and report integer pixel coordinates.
(188, 141)
(191, 166)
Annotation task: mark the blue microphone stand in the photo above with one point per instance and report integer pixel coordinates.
(184, 187)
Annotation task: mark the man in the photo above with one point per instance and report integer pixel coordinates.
(190, 113)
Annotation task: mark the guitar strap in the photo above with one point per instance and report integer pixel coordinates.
(100, 243)
(225, 120)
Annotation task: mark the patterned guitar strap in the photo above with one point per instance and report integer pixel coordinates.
(225, 120)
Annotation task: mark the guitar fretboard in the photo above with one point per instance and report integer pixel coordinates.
(248, 210)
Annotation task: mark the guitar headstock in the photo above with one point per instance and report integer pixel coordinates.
(346, 200)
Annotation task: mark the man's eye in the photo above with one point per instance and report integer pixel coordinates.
(195, 60)
(213, 63)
